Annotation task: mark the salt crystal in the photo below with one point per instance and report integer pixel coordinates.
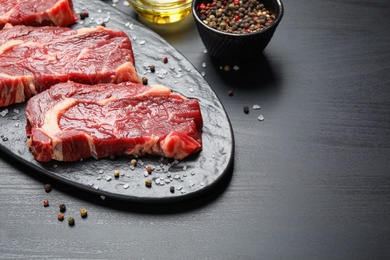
(16, 111)
(99, 11)
(205, 51)
(256, 107)
(203, 73)
(204, 64)
(125, 3)
(184, 167)
(103, 197)
(260, 118)
(140, 162)
(191, 90)
(126, 186)
(235, 67)
(142, 42)
(108, 178)
(99, 178)
(4, 112)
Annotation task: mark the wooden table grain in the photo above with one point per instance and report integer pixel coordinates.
(311, 181)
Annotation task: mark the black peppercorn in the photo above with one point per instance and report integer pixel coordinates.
(83, 15)
(62, 208)
(246, 109)
(145, 80)
(152, 68)
(48, 188)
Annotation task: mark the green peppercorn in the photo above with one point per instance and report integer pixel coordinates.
(71, 221)
(83, 213)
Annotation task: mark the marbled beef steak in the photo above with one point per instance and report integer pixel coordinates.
(71, 121)
(34, 58)
(37, 12)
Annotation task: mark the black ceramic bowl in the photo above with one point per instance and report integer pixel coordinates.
(237, 48)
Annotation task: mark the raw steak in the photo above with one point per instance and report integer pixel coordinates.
(71, 121)
(37, 12)
(34, 58)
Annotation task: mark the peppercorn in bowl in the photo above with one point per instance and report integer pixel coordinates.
(236, 31)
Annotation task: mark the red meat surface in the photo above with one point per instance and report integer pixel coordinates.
(34, 58)
(37, 12)
(72, 121)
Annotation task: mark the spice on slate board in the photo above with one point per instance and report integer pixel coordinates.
(236, 16)
(145, 80)
(246, 109)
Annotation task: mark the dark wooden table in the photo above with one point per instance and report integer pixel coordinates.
(311, 181)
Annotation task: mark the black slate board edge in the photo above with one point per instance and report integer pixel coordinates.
(209, 105)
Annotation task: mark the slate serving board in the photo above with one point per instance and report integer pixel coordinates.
(189, 177)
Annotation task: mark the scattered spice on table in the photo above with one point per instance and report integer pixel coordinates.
(236, 16)
(246, 109)
(152, 68)
(60, 217)
(62, 208)
(165, 59)
(48, 188)
(83, 213)
(46, 203)
(71, 221)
